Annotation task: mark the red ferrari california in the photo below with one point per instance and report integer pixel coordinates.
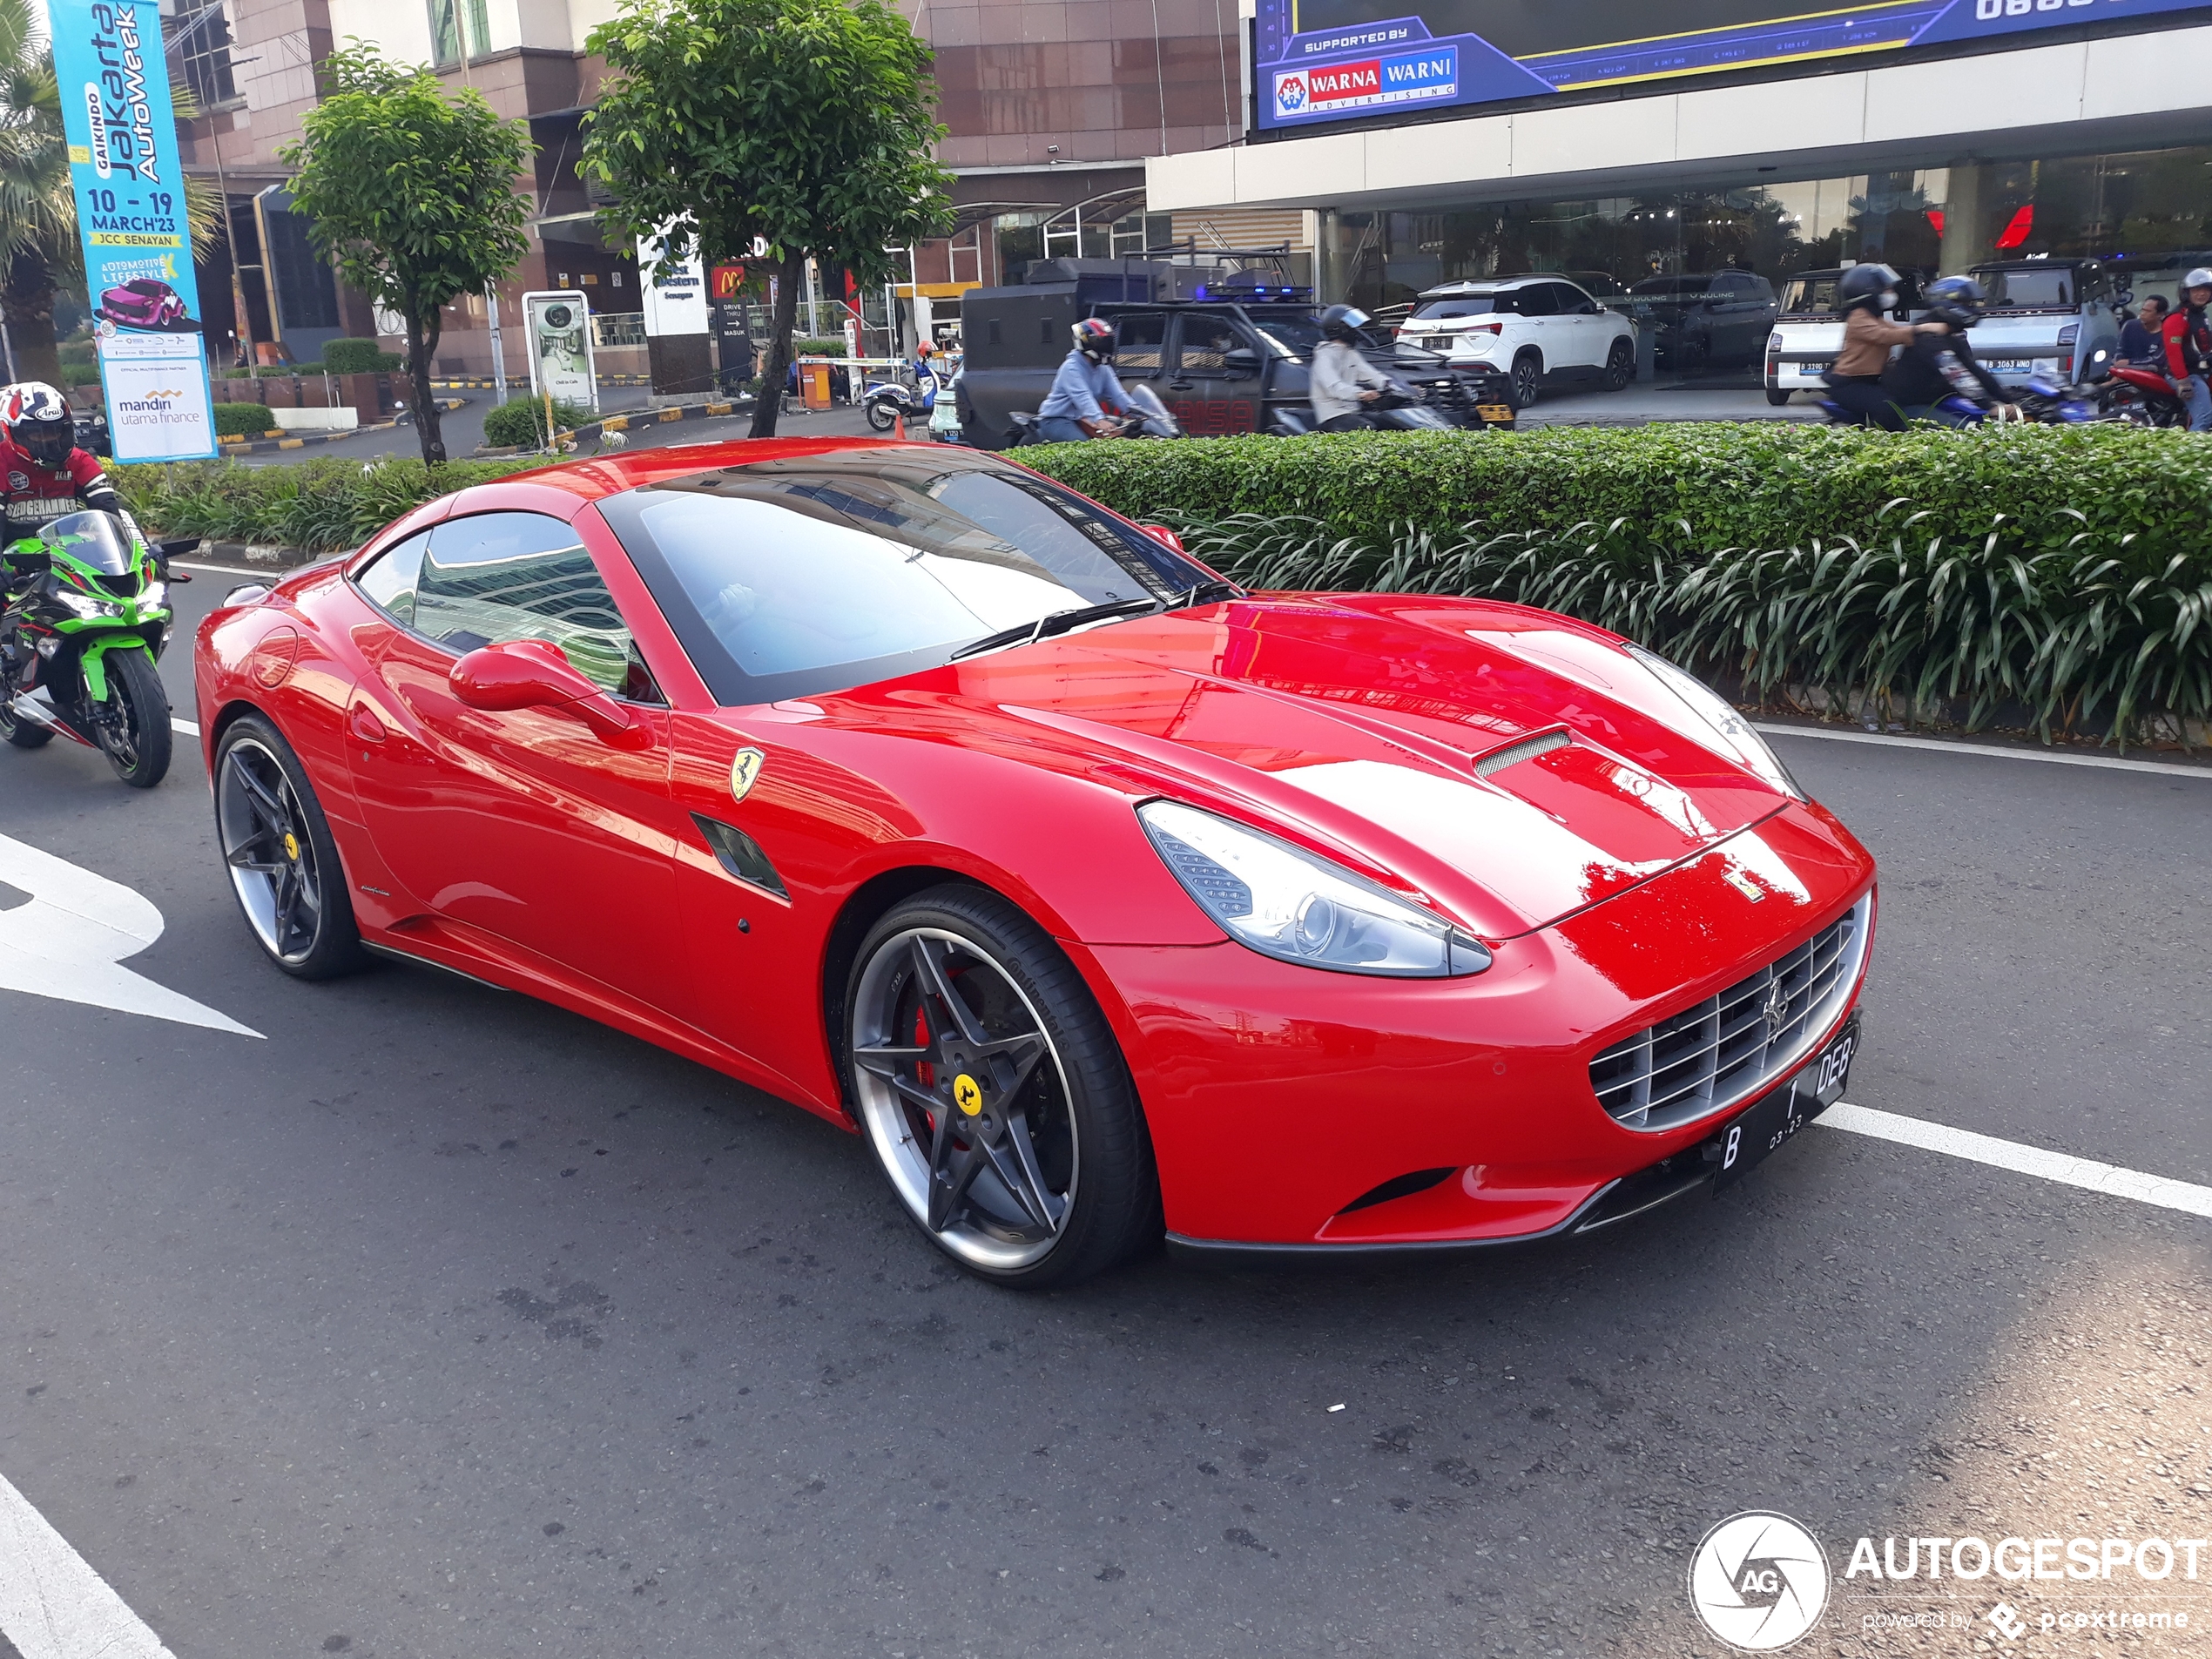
(1097, 895)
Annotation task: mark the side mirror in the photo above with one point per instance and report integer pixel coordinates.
(1163, 535)
(1241, 359)
(536, 674)
(2125, 297)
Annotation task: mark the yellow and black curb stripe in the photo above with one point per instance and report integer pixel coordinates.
(277, 438)
(630, 423)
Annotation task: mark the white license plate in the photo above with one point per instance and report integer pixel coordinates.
(2008, 365)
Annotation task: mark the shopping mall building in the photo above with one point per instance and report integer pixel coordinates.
(1622, 141)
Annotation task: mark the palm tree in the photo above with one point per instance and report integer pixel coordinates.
(38, 245)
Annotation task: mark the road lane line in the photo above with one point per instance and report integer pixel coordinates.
(184, 726)
(2067, 1170)
(52, 1604)
(2110, 762)
(271, 571)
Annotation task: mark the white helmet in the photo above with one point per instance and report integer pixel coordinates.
(2200, 278)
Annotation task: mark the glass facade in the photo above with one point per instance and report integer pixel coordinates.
(1719, 252)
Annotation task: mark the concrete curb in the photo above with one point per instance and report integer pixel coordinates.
(252, 553)
(632, 421)
(266, 445)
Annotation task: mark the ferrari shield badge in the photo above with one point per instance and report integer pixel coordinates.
(744, 772)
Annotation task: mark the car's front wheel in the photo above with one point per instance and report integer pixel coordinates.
(284, 865)
(1619, 365)
(992, 1093)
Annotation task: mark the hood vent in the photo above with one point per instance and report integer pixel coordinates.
(1527, 749)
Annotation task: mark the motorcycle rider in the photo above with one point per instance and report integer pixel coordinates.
(1342, 379)
(1087, 399)
(43, 476)
(2188, 348)
(1939, 362)
(1866, 295)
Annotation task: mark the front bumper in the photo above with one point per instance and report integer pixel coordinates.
(1281, 1100)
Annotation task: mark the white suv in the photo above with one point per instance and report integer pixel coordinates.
(1530, 327)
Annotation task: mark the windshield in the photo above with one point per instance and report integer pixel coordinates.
(1296, 337)
(1458, 305)
(1801, 295)
(91, 539)
(2056, 287)
(786, 578)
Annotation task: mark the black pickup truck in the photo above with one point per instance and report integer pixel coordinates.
(1221, 365)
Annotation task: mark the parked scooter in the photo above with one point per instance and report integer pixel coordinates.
(889, 401)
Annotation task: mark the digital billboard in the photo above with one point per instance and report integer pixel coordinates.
(1319, 60)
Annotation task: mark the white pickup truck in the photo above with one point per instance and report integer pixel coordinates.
(1808, 333)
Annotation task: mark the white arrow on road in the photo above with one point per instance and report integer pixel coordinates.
(69, 940)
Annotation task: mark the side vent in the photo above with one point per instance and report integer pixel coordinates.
(740, 855)
(1401, 1186)
(1527, 749)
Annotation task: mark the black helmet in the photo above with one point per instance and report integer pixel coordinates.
(1957, 300)
(1864, 285)
(1342, 322)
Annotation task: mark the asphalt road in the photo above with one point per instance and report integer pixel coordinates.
(442, 1323)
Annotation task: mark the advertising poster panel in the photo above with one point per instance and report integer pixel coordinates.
(558, 324)
(130, 185)
(1320, 61)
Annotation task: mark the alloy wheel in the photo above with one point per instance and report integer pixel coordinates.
(1528, 379)
(966, 1098)
(268, 849)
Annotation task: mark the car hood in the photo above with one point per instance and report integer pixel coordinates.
(1509, 765)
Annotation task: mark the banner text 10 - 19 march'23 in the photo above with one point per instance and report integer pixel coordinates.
(110, 68)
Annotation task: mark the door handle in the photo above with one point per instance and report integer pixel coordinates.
(363, 726)
(1179, 386)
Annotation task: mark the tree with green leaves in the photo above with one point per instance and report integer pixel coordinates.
(805, 124)
(411, 190)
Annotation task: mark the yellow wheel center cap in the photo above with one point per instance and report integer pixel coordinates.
(291, 845)
(967, 1096)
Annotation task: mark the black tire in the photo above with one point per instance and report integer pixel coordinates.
(1527, 379)
(1619, 365)
(1777, 398)
(139, 748)
(881, 415)
(1054, 1181)
(20, 732)
(285, 870)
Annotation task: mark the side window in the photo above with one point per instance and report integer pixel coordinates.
(1208, 338)
(497, 576)
(1574, 301)
(1537, 300)
(390, 580)
(1139, 343)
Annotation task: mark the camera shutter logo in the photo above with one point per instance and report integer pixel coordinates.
(1759, 1581)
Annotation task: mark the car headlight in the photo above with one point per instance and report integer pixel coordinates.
(85, 606)
(1287, 903)
(1737, 740)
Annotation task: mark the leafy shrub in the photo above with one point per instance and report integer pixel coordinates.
(286, 371)
(809, 346)
(521, 421)
(325, 505)
(243, 420)
(1676, 489)
(360, 357)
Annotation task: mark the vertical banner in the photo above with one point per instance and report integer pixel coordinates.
(114, 82)
(558, 323)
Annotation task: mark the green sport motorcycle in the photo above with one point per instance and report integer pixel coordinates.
(87, 614)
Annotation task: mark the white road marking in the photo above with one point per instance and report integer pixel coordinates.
(228, 570)
(69, 940)
(52, 1604)
(2111, 762)
(2086, 1173)
(184, 726)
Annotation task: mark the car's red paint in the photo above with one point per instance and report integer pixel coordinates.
(1617, 880)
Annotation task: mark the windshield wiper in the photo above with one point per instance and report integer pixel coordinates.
(1057, 622)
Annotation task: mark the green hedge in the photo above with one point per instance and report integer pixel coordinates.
(360, 357)
(243, 420)
(521, 421)
(326, 505)
(814, 346)
(1703, 487)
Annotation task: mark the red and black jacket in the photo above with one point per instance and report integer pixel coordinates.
(33, 494)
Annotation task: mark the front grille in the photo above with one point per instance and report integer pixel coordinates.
(1728, 1047)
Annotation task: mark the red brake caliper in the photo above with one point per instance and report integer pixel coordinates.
(925, 1074)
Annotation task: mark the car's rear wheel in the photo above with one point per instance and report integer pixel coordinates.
(1776, 396)
(992, 1093)
(1619, 365)
(284, 865)
(1527, 379)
